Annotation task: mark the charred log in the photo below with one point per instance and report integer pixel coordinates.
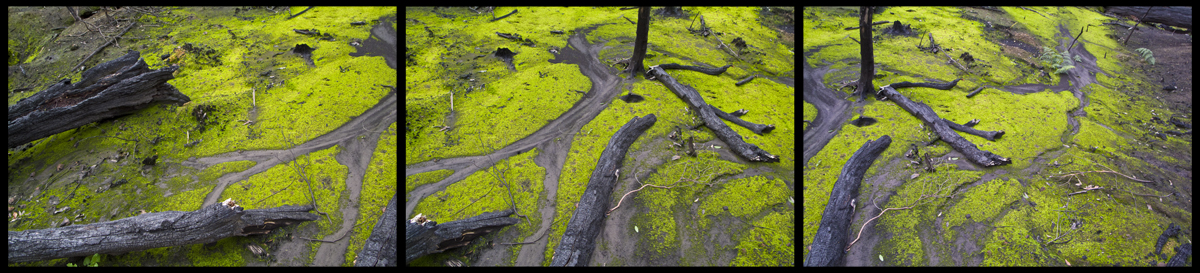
(151, 230)
(1176, 16)
(427, 237)
(966, 128)
(380, 248)
(757, 128)
(579, 240)
(939, 126)
(710, 71)
(829, 243)
(111, 89)
(692, 97)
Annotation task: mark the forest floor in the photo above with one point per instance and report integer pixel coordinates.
(1114, 110)
(259, 116)
(539, 124)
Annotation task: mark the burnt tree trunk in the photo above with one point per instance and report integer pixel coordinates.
(692, 97)
(829, 243)
(639, 43)
(151, 230)
(428, 237)
(111, 89)
(867, 71)
(939, 126)
(579, 240)
(380, 248)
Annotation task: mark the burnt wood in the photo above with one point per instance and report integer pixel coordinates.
(111, 89)
(428, 237)
(151, 230)
(710, 71)
(966, 128)
(692, 97)
(866, 49)
(757, 128)
(829, 243)
(639, 43)
(579, 240)
(943, 130)
(380, 247)
(1175, 16)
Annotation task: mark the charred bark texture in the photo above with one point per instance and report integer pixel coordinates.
(1175, 16)
(380, 248)
(428, 237)
(111, 89)
(829, 243)
(151, 230)
(939, 126)
(757, 128)
(579, 240)
(639, 43)
(867, 70)
(692, 97)
(710, 71)
(966, 128)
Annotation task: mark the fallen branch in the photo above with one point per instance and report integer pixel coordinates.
(939, 126)
(152, 230)
(579, 239)
(827, 247)
(692, 97)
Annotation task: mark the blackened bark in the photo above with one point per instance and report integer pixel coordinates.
(639, 44)
(710, 71)
(579, 240)
(151, 230)
(867, 71)
(1176, 16)
(939, 126)
(692, 97)
(111, 89)
(829, 243)
(428, 237)
(757, 128)
(989, 135)
(380, 248)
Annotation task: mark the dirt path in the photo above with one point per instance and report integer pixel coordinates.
(832, 110)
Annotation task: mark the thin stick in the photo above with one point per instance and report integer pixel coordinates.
(864, 226)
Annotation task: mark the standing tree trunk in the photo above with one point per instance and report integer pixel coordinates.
(639, 44)
(868, 54)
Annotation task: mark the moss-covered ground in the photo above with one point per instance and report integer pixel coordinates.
(1008, 215)
(495, 105)
(257, 95)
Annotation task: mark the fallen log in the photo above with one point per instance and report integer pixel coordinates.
(111, 89)
(1179, 16)
(692, 97)
(380, 248)
(966, 128)
(829, 243)
(423, 237)
(710, 71)
(579, 240)
(151, 230)
(939, 126)
(757, 128)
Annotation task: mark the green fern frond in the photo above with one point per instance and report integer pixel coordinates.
(1063, 69)
(1077, 58)
(1146, 54)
